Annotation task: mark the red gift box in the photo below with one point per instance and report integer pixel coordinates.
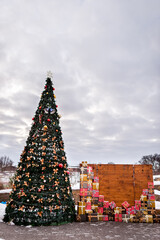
(125, 204)
(83, 192)
(120, 217)
(88, 206)
(106, 204)
(105, 218)
(116, 217)
(145, 192)
(151, 197)
(95, 193)
(150, 185)
(101, 198)
(128, 211)
(133, 210)
(96, 179)
(89, 169)
(100, 210)
(138, 203)
(112, 205)
(137, 208)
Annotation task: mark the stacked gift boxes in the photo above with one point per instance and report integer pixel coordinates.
(93, 207)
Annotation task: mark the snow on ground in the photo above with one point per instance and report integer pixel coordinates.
(157, 192)
(157, 204)
(5, 190)
(156, 176)
(2, 211)
(156, 183)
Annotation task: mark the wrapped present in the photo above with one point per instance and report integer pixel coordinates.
(95, 200)
(144, 211)
(89, 169)
(83, 192)
(90, 175)
(88, 211)
(96, 179)
(150, 185)
(137, 208)
(132, 218)
(84, 185)
(107, 211)
(125, 204)
(120, 217)
(151, 204)
(149, 218)
(145, 192)
(100, 204)
(116, 210)
(105, 218)
(88, 206)
(128, 211)
(83, 170)
(84, 164)
(95, 193)
(81, 218)
(101, 198)
(150, 191)
(92, 217)
(133, 210)
(94, 207)
(116, 216)
(143, 204)
(106, 204)
(83, 198)
(89, 182)
(83, 177)
(81, 208)
(89, 199)
(100, 217)
(156, 218)
(112, 205)
(100, 210)
(125, 218)
(95, 186)
(151, 197)
(111, 217)
(138, 203)
(143, 198)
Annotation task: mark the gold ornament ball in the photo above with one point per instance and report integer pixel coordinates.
(45, 128)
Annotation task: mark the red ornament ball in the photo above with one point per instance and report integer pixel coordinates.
(56, 105)
(60, 165)
(40, 107)
(39, 190)
(53, 88)
(45, 86)
(48, 120)
(67, 172)
(33, 118)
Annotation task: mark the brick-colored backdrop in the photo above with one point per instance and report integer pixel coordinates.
(119, 182)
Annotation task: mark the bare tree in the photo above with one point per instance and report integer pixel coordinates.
(5, 162)
(154, 160)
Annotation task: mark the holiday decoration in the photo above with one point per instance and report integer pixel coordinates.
(41, 193)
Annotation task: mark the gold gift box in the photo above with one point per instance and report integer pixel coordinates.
(143, 198)
(84, 163)
(95, 186)
(81, 207)
(94, 207)
(100, 217)
(83, 177)
(149, 218)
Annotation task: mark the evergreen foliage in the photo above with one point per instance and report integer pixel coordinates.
(41, 193)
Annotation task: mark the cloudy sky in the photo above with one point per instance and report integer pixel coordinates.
(105, 59)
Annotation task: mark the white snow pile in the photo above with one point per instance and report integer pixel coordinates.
(5, 190)
(2, 211)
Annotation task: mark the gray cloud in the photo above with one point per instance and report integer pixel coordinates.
(105, 60)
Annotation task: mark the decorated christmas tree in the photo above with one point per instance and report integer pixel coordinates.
(41, 193)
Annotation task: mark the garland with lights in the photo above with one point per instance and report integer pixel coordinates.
(41, 193)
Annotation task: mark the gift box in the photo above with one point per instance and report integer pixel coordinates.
(90, 175)
(125, 204)
(84, 185)
(89, 192)
(132, 218)
(125, 218)
(88, 206)
(151, 203)
(101, 198)
(116, 216)
(92, 217)
(95, 200)
(128, 211)
(149, 218)
(100, 204)
(83, 170)
(144, 204)
(133, 210)
(100, 217)
(95, 186)
(143, 198)
(88, 211)
(151, 197)
(81, 208)
(89, 169)
(81, 218)
(89, 182)
(106, 204)
(112, 205)
(116, 210)
(95, 193)
(105, 218)
(96, 179)
(83, 192)
(156, 218)
(137, 208)
(83, 177)
(111, 217)
(150, 191)
(100, 210)
(83, 198)
(145, 192)
(84, 163)
(120, 217)
(150, 185)
(94, 207)
(138, 203)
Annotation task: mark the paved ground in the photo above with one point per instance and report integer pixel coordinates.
(80, 231)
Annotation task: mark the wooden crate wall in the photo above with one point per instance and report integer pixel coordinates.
(119, 182)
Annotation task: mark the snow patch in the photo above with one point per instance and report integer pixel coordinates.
(156, 182)
(5, 190)
(157, 192)
(157, 204)
(156, 176)
(2, 211)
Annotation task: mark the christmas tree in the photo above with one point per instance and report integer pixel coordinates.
(41, 193)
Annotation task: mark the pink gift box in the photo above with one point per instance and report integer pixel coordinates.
(89, 169)
(138, 203)
(112, 205)
(105, 218)
(106, 204)
(137, 208)
(120, 217)
(150, 185)
(101, 198)
(88, 206)
(83, 192)
(100, 210)
(95, 193)
(128, 211)
(133, 210)
(96, 179)
(125, 204)
(151, 197)
(116, 217)
(145, 192)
